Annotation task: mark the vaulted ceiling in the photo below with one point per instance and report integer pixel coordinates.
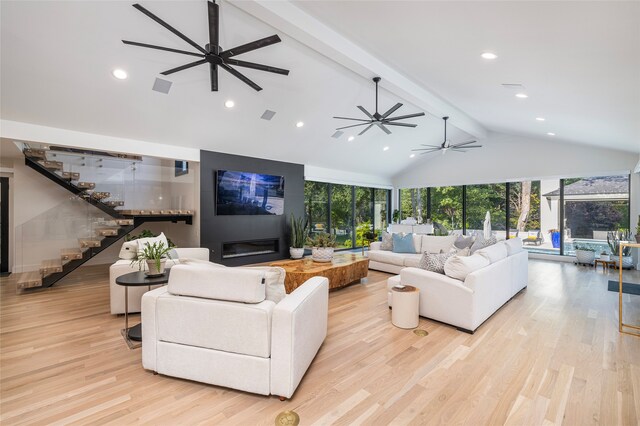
(579, 63)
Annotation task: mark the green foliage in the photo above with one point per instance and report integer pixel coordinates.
(321, 239)
(146, 234)
(396, 216)
(364, 234)
(638, 227)
(584, 247)
(615, 238)
(299, 231)
(154, 251)
(446, 206)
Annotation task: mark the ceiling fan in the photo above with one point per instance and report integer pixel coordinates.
(446, 144)
(212, 53)
(380, 120)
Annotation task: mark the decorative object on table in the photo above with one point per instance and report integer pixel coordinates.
(604, 256)
(155, 256)
(614, 239)
(555, 237)
(380, 120)
(299, 228)
(585, 254)
(212, 53)
(322, 246)
(446, 144)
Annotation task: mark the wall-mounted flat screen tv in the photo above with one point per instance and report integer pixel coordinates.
(243, 193)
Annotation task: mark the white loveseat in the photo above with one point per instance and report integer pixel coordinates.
(122, 267)
(388, 261)
(214, 325)
(467, 302)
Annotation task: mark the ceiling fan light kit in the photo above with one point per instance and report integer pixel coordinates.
(379, 120)
(212, 53)
(446, 144)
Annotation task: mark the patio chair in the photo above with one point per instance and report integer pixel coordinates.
(533, 239)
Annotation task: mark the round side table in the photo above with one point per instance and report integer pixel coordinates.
(406, 304)
(137, 279)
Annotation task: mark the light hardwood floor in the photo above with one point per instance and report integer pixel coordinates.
(552, 355)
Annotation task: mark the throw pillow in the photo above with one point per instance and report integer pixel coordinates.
(387, 241)
(481, 242)
(129, 250)
(434, 262)
(463, 242)
(403, 243)
(458, 267)
(274, 281)
(142, 242)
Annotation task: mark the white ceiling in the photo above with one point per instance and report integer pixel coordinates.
(576, 60)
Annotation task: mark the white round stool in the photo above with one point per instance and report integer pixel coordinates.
(406, 303)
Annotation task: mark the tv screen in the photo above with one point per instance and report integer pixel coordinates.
(242, 193)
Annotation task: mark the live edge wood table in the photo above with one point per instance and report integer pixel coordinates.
(344, 269)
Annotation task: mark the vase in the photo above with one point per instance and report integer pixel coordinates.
(152, 267)
(587, 257)
(322, 254)
(555, 239)
(627, 261)
(296, 252)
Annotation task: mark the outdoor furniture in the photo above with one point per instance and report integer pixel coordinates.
(606, 264)
(531, 239)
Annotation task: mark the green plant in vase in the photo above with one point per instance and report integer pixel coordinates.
(154, 255)
(299, 228)
(614, 239)
(322, 246)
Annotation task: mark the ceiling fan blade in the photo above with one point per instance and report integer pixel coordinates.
(458, 150)
(391, 110)
(213, 13)
(429, 152)
(432, 146)
(384, 129)
(365, 129)
(353, 125)
(169, 27)
(263, 42)
(426, 149)
(465, 143)
(361, 108)
(184, 67)
(260, 67)
(213, 70)
(240, 76)
(168, 49)
(354, 119)
(402, 117)
(399, 124)
(467, 146)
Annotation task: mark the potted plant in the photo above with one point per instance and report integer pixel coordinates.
(299, 231)
(605, 256)
(613, 240)
(555, 237)
(155, 256)
(585, 254)
(322, 246)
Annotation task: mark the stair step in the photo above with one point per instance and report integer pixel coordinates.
(70, 254)
(114, 203)
(98, 195)
(155, 212)
(86, 185)
(124, 222)
(89, 242)
(51, 165)
(50, 266)
(29, 280)
(36, 153)
(107, 232)
(70, 175)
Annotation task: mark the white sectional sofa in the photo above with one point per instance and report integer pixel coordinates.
(480, 288)
(388, 261)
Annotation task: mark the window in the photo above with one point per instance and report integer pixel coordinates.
(446, 207)
(316, 203)
(364, 214)
(342, 215)
(482, 199)
(380, 210)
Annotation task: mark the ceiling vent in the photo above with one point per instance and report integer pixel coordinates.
(267, 115)
(162, 86)
(337, 134)
(513, 86)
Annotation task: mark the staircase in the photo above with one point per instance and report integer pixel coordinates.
(103, 231)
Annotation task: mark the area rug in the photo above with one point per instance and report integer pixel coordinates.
(629, 288)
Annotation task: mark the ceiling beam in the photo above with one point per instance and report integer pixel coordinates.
(299, 25)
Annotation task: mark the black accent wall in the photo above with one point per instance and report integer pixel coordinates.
(216, 230)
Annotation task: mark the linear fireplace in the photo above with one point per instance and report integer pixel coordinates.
(235, 249)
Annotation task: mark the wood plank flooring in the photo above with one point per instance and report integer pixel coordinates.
(553, 355)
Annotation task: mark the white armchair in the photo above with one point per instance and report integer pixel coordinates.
(231, 335)
(122, 267)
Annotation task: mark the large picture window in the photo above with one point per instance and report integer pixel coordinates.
(482, 199)
(446, 207)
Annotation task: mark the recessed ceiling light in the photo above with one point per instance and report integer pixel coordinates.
(489, 55)
(120, 74)
(350, 138)
(522, 95)
(299, 124)
(229, 104)
(551, 134)
(386, 148)
(540, 118)
(412, 155)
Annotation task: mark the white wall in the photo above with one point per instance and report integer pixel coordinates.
(511, 158)
(320, 174)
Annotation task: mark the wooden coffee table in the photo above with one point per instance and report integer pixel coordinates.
(343, 270)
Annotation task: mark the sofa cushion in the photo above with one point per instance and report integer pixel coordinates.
(387, 257)
(463, 242)
(434, 262)
(458, 267)
(142, 242)
(212, 282)
(435, 244)
(481, 242)
(403, 243)
(230, 326)
(514, 245)
(274, 285)
(494, 252)
(387, 241)
(129, 250)
(412, 260)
